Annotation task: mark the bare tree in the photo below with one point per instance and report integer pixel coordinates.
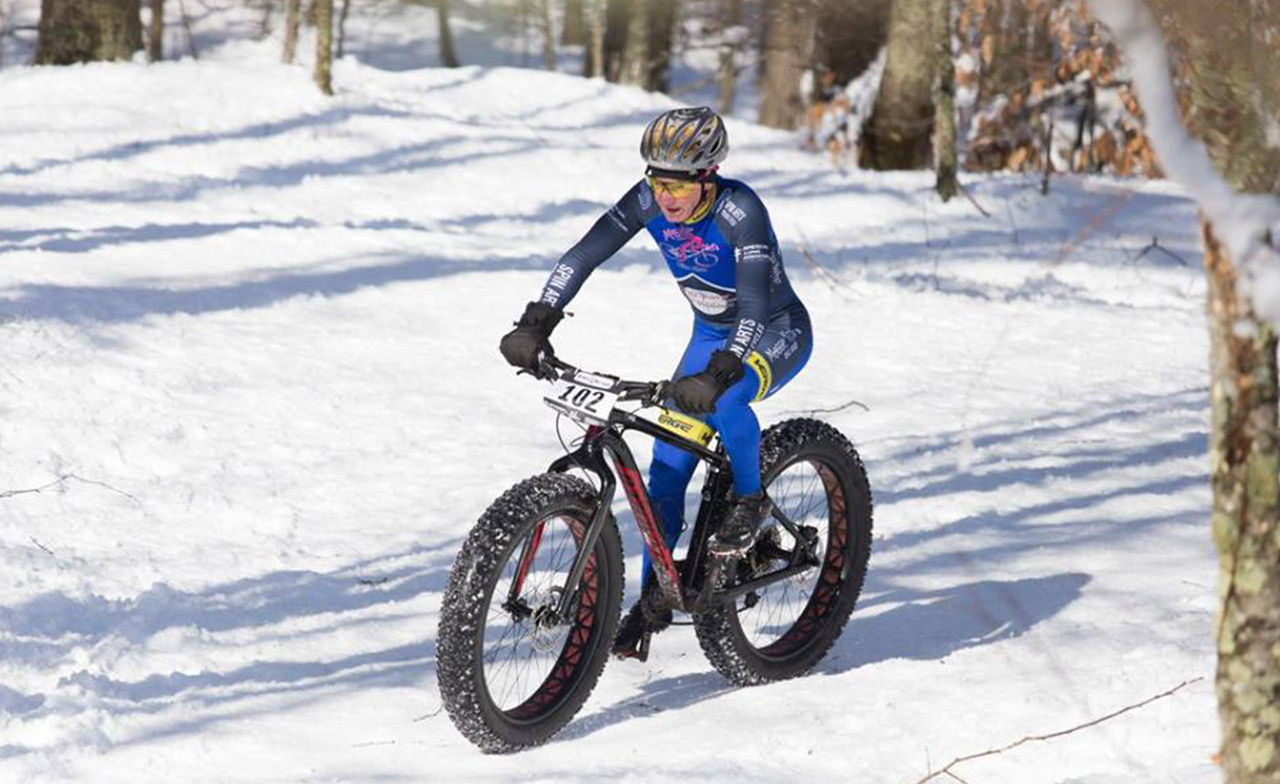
(448, 55)
(632, 68)
(76, 31)
(897, 135)
(547, 23)
(573, 33)
(1235, 96)
(661, 21)
(788, 53)
(342, 27)
(730, 39)
(594, 65)
(155, 32)
(944, 118)
(292, 17)
(324, 45)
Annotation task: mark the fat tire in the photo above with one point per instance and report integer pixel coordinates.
(718, 630)
(477, 569)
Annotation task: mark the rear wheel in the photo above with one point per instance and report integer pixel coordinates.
(816, 479)
(511, 671)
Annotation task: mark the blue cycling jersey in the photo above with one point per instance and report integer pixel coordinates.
(727, 263)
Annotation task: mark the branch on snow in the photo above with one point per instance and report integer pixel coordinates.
(946, 771)
(62, 480)
(1243, 220)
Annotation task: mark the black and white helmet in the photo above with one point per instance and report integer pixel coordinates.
(689, 140)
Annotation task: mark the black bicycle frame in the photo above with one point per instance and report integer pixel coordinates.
(681, 587)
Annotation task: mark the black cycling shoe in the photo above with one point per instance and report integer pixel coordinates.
(641, 622)
(738, 531)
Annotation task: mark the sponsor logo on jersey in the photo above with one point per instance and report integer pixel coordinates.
(732, 213)
(688, 250)
(712, 303)
(646, 197)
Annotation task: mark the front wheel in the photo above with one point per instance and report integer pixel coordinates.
(511, 671)
(816, 479)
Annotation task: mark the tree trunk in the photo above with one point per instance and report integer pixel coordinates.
(1227, 53)
(342, 28)
(573, 33)
(155, 32)
(730, 39)
(594, 65)
(788, 52)
(659, 40)
(637, 47)
(324, 46)
(944, 118)
(448, 55)
(1243, 471)
(547, 23)
(617, 27)
(897, 134)
(292, 17)
(850, 36)
(78, 31)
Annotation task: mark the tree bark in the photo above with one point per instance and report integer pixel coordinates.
(573, 34)
(897, 136)
(324, 46)
(155, 32)
(632, 70)
(944, 118)
(78, 31)
(659, 40)
(594, 61)
(618, 15)
(448, 55)
(342, 28)
(292, 18)
(788, 53)
(548, 26)
(730, 40)
(1227, 53)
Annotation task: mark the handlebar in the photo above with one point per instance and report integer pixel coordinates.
(647, 393)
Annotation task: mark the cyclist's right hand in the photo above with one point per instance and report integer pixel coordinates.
(525, 345)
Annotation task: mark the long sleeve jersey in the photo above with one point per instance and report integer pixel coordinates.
(727, 263)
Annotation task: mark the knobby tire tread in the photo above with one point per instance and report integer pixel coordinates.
(717, 630)
(465, 604)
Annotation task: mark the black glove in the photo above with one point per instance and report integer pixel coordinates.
(523, 345)
(697, 394)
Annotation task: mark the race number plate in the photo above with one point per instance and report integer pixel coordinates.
(587, 397)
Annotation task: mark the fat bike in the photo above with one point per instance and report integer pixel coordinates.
(533, 601)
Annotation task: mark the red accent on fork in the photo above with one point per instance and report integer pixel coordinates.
(526, 560)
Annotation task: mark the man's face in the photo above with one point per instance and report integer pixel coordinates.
(676, 198)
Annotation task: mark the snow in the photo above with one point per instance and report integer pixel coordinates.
(248, 357)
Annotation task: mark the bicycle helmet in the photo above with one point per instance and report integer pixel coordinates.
(687, 141)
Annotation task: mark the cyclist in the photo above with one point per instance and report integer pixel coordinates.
(751, 334)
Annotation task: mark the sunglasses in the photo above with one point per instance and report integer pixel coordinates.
(676, 188)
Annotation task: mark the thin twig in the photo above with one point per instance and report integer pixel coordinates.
(430, 715)
(972, 200)
(1155, 245)
(1049, 736)
(63, 479)
(37, 544)
(835, 410)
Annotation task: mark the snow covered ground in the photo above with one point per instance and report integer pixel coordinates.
(248, 358)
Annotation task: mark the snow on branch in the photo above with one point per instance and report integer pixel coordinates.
(1242, 220)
